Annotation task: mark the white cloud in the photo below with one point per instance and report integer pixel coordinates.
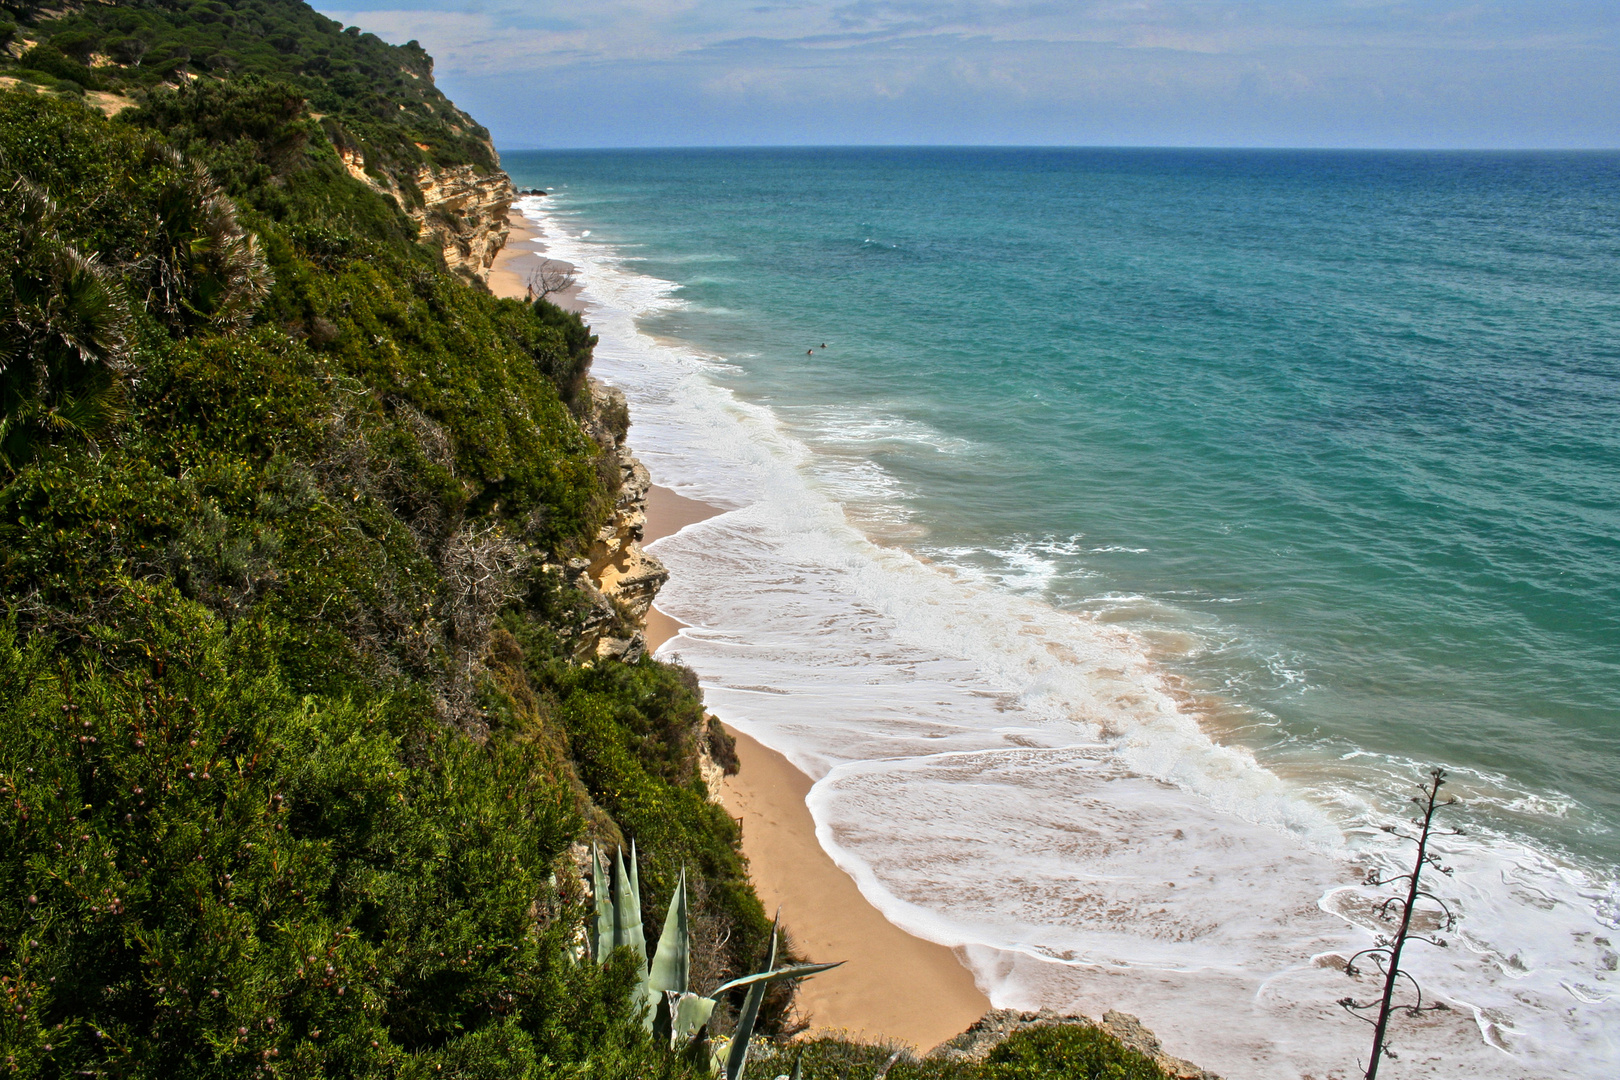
(505, 34)
(761, 66)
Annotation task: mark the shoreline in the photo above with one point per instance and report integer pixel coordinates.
(509, 273)
(667, 514)
(893, 987)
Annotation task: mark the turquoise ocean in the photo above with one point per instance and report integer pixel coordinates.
(1149, 524)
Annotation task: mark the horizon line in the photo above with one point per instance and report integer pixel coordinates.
(519, 148)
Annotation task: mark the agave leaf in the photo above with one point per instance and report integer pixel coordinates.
(798, 1067)
(792, 971)
(691, 1014)
(634, 936)
(602, 931)
(737, 1056)
(621, 906)
(668, 972)
(672, 963)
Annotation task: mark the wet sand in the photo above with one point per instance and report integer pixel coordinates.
(667, 514)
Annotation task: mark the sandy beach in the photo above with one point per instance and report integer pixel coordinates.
(522, 256)
(893, 986)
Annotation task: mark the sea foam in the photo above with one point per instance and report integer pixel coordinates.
(1028, 785)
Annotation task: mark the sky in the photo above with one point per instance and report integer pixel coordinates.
(1297, 73)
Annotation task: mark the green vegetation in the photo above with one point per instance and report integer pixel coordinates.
(208, 873)
(673, 1012)
(299, 742)
(1066, 1051)
(272, 476)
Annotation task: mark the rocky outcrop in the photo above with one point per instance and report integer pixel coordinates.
(465, 213)
(461, 210)
(989, 1030)
(717, 754)
(624, 572)
(619, 579)
(600, 622)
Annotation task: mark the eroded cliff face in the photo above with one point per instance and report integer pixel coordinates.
(466, 213)
(461, 210)
(624, 572)
(618, 577)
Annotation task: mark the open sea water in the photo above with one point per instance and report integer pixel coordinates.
(1150, 523)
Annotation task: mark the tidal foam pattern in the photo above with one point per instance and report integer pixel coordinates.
(1024, 782)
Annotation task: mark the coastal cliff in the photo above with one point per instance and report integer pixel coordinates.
(460, 210)
(464, 213)
(305, 525)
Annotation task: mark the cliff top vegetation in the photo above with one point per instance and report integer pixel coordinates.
(377, 99)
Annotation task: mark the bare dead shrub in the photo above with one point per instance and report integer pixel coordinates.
(482, 571)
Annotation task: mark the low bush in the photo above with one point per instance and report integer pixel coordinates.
(51, 61)
(1054, 1052)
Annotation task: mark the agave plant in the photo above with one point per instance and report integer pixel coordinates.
(673, 1011)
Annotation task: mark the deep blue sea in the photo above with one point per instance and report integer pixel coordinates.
(1138, 527)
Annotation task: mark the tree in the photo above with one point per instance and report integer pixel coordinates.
(551, 278)
(1386, 952)
(129, 50)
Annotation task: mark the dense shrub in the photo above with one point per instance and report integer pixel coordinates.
(567, 367)
(273, 802)
(51, 61)
(207, 871)
(1074, 1052)
(383, 95)
(320, 465)
(1055, 1052)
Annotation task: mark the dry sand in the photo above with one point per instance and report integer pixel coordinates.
(509, 275)
(892, 986)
